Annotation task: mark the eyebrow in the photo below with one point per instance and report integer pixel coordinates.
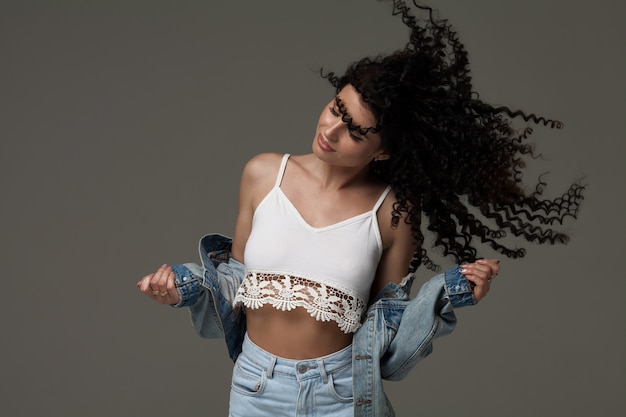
(345, 117)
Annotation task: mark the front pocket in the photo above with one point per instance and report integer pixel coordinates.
(340, 384)
(247, 379)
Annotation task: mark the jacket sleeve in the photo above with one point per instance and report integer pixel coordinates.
(188, 280)
(427, 316)
(193, 294)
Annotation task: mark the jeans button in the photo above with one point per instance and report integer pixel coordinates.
(302, 368)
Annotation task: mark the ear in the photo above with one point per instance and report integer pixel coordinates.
(383, 155)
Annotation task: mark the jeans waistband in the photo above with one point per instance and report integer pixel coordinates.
(300, 369)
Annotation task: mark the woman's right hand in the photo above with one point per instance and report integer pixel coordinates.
(160, 286)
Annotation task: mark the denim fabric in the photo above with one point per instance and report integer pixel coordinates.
(266, 385)
(397, 331)
(216, 282)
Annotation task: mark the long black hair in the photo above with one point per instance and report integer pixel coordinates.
(452, 155)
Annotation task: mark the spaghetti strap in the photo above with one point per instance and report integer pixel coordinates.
(381, 198)
(281, 171)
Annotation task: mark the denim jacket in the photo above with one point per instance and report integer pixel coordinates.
(397, 331)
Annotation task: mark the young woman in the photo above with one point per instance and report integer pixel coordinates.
(312, 292)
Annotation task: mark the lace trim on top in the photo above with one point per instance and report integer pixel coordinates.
(286, 292)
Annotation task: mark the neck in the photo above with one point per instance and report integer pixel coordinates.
(337, 177)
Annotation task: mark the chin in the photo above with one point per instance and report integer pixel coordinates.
(319, 153)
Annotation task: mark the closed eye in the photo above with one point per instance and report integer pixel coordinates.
(335, 113)
(355, 137)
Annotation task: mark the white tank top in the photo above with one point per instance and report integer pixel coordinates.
(326, 270)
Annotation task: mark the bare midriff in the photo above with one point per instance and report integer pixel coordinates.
(294, 334)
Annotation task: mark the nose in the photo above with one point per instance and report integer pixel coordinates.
(333, 129)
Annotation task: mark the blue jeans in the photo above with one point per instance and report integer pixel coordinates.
(266, 385)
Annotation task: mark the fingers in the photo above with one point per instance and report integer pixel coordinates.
(160, 286)
(489, 266)
(144, 285)
(158, 283)
(481, 273)
(482, 269)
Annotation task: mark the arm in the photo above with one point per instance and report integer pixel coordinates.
(208, 289)
(256, 181)
(399, 247)
(431, 314)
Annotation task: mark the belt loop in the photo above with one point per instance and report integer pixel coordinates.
(324, 375)
(271, 366)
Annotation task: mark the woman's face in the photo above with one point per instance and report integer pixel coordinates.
(336, 143)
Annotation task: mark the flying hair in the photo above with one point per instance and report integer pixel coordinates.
(452, 155)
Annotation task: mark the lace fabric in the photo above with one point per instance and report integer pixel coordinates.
(286, 292)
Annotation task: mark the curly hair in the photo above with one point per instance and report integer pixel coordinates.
(451, 154)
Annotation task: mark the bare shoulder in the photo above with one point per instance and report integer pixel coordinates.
(398, 245)
(393, 233)
(261, 170)
(258, 177)
(262, 164)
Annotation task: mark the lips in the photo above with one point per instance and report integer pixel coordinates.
(323, 144)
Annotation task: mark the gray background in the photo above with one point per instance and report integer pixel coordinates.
(124, 127)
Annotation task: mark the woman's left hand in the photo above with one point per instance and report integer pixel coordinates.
(481, 273)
